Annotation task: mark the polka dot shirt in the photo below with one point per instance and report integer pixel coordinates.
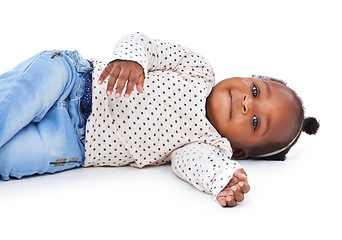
(165, 123)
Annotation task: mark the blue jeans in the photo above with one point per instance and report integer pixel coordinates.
(41, 126)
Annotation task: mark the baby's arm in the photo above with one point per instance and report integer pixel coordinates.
(152, 55)
(206, 169)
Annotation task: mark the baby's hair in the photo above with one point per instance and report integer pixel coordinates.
(278, 151)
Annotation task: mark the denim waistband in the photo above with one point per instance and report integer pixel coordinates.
(86, 100)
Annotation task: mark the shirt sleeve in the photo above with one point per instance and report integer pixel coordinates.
(204, 167)
(154, 54)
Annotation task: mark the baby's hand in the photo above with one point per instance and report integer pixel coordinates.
(235, 190)
(120, 71)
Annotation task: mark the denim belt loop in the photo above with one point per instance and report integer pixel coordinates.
(80, 66)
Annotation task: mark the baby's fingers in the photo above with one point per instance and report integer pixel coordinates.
(140, 83)
(121, 82)
(113, 76)
(241, 174)
(244, 186)
(132, 81)
(222, 201)
(238, 195)
(105, 73)
(231, 202)
(228, 201)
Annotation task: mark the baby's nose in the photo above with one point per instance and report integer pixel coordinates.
(246, 103)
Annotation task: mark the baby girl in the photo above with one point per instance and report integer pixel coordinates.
(60, 111)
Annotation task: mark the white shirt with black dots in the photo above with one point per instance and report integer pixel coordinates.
(166, 123)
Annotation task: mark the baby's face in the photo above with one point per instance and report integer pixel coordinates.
(251, 112)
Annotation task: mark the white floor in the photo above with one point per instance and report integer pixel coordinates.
(299, 198)
(288, 200)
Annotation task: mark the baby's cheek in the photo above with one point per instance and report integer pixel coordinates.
(238, 134)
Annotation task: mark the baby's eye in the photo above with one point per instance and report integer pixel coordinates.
(255, 90)
(255, 123)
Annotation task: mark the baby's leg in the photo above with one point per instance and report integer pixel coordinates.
(48, 146)
(40, 115)
(31, 89)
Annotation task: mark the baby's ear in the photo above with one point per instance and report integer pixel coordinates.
(239, 153)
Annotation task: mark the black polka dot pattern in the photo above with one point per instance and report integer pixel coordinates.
(145, 129)
(203, 167)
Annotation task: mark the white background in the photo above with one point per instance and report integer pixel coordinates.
(297, 41)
